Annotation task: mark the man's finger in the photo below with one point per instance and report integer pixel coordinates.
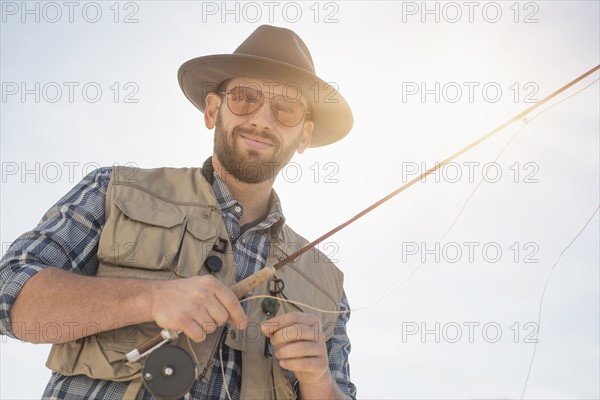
(306, 364)
(275, 324)
(194, 331)
(203, 318)
(294, 318)
(299, 350)
(296, 333)
(217, 311)
(232, 305)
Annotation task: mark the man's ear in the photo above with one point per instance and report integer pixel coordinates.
(307, 130)
(213, 101)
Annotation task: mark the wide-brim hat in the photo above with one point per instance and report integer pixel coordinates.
(275, 55)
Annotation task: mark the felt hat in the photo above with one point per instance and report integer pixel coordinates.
(276, 55)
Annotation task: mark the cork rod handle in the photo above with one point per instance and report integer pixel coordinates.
(252, 282)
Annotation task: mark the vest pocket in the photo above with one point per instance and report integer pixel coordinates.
(102, 356)
(116, 343)
(151, 234)
(197, 244)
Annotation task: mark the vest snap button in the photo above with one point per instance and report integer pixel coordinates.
(213, 264)
(269, 306)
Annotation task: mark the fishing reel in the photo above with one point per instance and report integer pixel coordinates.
(169, 371)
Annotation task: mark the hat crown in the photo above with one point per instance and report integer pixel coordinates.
(279, 44)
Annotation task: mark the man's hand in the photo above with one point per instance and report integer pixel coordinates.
(299, 345)
(197, 306)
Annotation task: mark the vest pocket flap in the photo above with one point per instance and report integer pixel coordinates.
(158, 216)
(201, 229)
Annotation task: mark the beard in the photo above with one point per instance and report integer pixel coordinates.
(248, 165)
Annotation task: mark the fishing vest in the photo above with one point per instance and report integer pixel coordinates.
(162, 224)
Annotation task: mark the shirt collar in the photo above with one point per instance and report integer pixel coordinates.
(274, 220)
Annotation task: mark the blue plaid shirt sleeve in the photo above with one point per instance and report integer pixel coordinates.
(338, 350)
(66, 237)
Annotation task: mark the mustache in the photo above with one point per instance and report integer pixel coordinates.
(258, 133)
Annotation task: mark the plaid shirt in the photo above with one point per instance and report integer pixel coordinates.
(68, 236)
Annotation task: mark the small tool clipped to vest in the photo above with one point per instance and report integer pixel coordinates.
(270, 307)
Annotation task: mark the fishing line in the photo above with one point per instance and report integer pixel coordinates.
(544, 292)
(525, 123)
(193, 353)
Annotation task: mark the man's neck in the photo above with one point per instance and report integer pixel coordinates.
(253, 197)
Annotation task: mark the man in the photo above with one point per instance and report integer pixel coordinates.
(127, 252)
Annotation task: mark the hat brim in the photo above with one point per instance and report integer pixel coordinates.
(329, 110)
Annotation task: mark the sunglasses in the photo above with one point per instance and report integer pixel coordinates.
(244, 100)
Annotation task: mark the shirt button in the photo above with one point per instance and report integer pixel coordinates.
(231, 237)
(237, 209)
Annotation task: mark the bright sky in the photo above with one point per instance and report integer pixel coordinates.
(424, 80)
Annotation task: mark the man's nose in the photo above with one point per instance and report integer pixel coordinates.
(263, 118)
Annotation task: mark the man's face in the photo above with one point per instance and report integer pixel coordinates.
(254, 148)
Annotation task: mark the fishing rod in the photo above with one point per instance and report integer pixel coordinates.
(241, 288)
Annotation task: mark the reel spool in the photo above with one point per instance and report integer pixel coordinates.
(169, 372)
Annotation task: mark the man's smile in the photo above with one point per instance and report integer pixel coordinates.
(255, 142)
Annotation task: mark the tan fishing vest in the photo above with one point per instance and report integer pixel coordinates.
(162, 224)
